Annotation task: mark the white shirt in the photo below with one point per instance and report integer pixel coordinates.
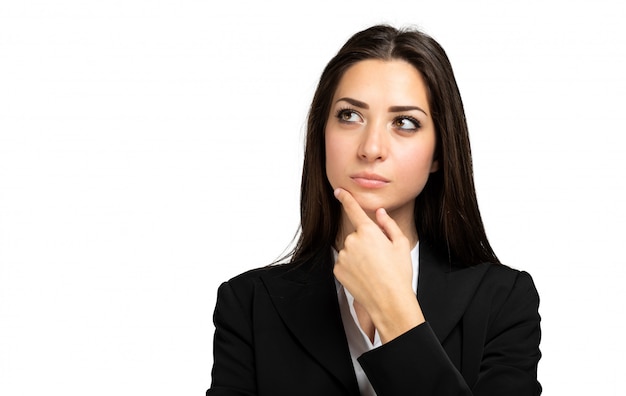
(358, 341)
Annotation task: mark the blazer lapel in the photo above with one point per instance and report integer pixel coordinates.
(307, 303)
(444, 291)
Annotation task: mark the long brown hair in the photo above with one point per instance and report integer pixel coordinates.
(446, 212)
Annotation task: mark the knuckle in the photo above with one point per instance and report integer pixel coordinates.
(348, 242)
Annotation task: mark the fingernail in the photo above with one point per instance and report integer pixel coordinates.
(336, 192)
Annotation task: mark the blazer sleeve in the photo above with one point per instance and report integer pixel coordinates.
(416, 363)
(233, 371)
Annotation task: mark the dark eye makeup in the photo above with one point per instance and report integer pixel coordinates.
(404, 122)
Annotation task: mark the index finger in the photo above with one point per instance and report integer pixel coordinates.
(356, 214)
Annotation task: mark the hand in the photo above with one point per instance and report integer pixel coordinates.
(374, 264)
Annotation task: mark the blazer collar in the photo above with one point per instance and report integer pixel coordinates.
(306, 300)
(445, 290)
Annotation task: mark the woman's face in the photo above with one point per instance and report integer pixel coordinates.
(380, 138)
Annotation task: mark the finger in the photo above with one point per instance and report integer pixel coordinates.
(356, 214)
(388, 225)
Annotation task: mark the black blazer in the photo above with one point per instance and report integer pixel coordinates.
(279, 332)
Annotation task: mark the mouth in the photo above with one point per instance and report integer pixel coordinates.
(369, 180)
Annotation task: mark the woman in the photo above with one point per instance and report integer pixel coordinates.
(388, 213)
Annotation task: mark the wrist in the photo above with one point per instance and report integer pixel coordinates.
(398, 318)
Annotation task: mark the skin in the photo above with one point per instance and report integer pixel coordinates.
(380, 143)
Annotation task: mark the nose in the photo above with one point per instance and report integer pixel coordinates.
(374, 144)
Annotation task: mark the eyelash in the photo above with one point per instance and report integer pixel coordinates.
(413, 120)
(343, 111)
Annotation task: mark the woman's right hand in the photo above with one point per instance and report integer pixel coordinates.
(374, 264)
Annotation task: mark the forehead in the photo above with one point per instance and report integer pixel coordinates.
(388, 82)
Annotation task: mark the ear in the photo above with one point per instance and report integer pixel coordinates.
(434, 166)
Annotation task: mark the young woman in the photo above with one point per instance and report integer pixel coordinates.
(392, 288)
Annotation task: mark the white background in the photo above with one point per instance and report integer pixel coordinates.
(150, 150)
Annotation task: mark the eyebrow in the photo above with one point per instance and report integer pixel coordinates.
(392, 109)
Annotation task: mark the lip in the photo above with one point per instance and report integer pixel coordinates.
(369, 180)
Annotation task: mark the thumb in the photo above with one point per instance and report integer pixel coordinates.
(389, 225)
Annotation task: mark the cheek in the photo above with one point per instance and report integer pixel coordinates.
(332, 157)
(338, 156)
(418, 163)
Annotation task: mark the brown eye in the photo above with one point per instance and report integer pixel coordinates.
(347, 115)
(406, 123)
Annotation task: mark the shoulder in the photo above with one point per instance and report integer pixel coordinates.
(248, 280)
(494, 277)
(236, 296)
(492, 289)
(505, 279)
(305, 271)
(257, 279)
(509, 293)
(256, 273)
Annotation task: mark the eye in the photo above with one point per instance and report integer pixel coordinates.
(407, 123)
(348, 116)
